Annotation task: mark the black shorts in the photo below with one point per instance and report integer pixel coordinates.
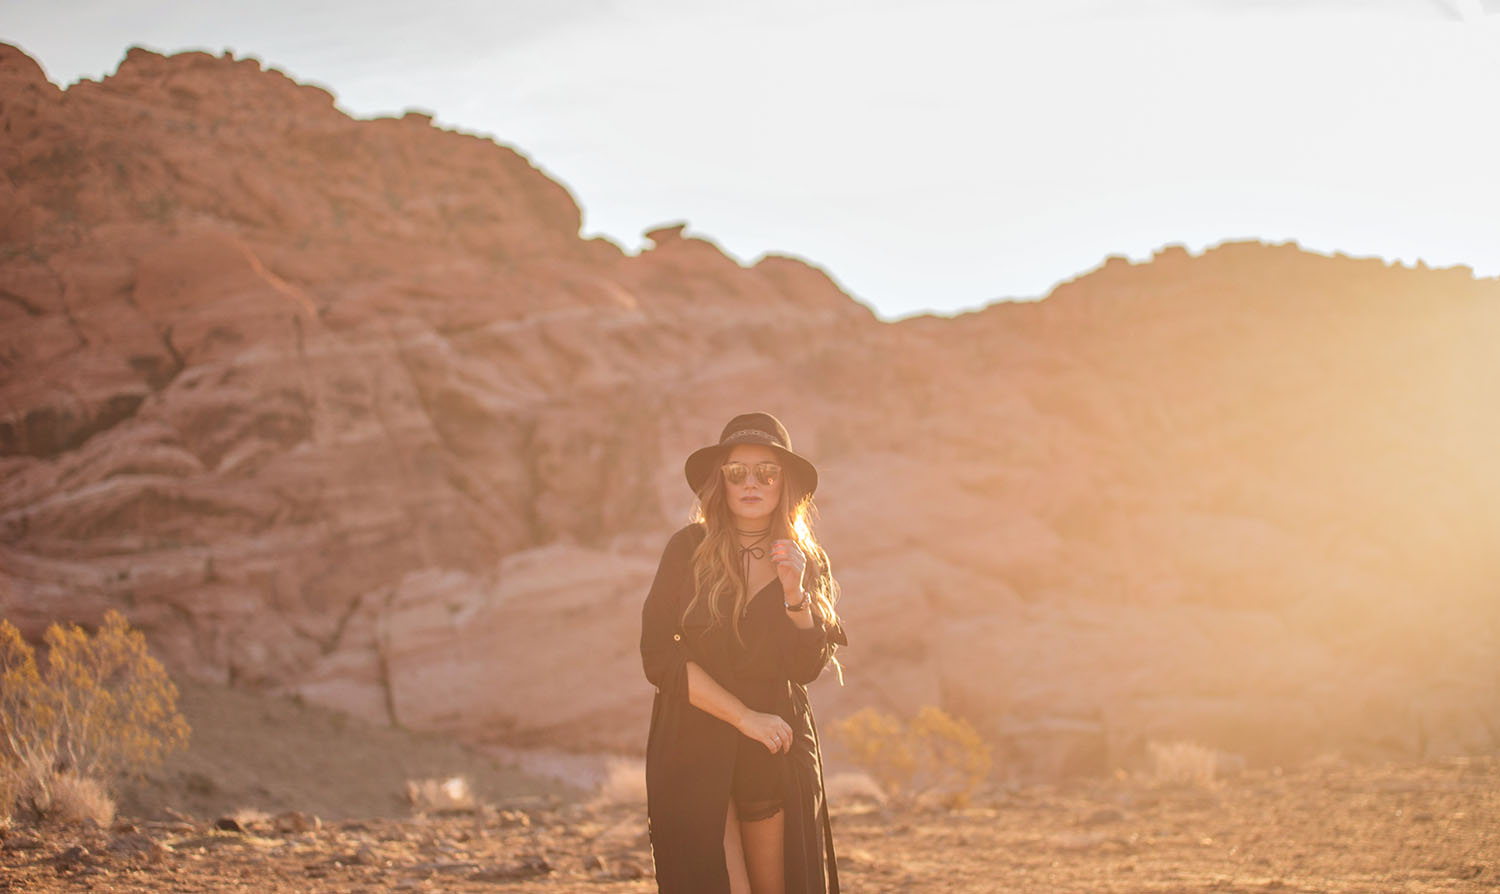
(759, 781)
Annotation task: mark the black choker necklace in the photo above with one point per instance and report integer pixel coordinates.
(756, 550)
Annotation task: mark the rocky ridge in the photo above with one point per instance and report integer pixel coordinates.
(348, 408)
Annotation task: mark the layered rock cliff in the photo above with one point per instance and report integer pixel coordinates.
(349, 408)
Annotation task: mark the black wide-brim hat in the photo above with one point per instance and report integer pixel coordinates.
(747, 428)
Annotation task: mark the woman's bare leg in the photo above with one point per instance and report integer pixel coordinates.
(765, 853)
(734, 853)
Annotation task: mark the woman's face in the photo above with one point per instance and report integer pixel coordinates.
(751, 501)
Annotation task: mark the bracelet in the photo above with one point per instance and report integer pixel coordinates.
(799, 607)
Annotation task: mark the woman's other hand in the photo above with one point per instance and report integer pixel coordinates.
(769, 730)
(790, 563)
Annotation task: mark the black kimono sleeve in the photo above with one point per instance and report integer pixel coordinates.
(664, 655)
(806, 652)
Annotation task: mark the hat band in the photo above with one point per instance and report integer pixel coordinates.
(756, 433)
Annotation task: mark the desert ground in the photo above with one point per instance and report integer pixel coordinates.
(225, 817)
(1433, 827)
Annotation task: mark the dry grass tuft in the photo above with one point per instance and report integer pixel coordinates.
(249, 817)
(72, 799)
(1183, 763)
(441, 795)
(10, 792)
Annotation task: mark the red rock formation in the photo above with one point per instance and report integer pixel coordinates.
(348, 407)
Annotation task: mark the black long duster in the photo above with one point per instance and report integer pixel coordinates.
(690, 754)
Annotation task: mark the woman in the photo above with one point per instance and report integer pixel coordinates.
(739, 619)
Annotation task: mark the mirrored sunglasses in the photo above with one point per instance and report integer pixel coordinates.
(766, 473)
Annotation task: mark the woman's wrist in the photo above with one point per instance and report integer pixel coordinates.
(799, 601)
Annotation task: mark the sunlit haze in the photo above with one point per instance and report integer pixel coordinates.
(936, 155)
(1154, 540)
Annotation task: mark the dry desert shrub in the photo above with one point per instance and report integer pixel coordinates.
(935, 755)
(438, 795)
(880, 744)
(1183, 763)
(958, 760)
(100, 705)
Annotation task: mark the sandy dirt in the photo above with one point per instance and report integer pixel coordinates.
(261, 752)
(319, 804)
(1424, 828)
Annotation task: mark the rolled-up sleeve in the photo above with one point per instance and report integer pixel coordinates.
(663, 652)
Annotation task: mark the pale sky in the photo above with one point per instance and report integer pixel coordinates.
(930, 154)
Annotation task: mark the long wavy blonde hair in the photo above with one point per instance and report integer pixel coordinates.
(719, 582)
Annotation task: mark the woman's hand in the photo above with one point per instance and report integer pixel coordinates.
(790, 563)
(769, 730)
